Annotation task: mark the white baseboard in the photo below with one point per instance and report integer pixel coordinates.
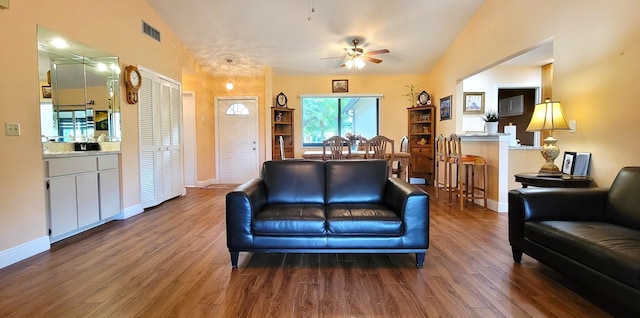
(129, 212)
(24, 251)
(202, 184)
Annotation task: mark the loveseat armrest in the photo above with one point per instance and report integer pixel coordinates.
(561, 204)
(241, 205)
(412, 204)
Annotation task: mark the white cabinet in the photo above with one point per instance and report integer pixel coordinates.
(159, 115)
(109, 186)
(82, 192)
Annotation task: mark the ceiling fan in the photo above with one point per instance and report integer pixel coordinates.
(356, 56)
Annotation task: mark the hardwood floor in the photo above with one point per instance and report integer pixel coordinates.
(172, 261)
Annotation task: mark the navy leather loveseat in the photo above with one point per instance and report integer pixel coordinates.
(341, 206)
(591, 235)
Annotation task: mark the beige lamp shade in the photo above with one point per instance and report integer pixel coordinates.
(548, 116)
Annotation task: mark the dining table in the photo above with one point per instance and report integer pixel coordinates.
(402, 158)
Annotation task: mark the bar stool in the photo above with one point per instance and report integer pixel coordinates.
(465, 187)
(442, 159)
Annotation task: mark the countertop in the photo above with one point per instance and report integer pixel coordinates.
(71, 154)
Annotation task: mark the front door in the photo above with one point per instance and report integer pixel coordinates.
(237, 139)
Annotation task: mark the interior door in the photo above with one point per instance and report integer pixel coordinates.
(237, 139)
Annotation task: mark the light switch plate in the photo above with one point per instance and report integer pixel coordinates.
(11, 129)
(572, 126)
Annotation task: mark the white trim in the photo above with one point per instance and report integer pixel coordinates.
(24, 251)
(339, 95)
(129, 212)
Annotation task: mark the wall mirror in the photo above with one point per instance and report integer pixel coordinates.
(80, 90)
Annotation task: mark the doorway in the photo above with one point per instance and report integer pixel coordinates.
(520, 114)
(237, 146)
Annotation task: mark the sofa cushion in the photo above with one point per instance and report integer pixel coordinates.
(290, 219)
(611, 249)
(623, 201)
(356, 181)
(362, 219)
(294, 181)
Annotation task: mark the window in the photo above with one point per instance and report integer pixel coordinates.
(237, 109)
(323, 117)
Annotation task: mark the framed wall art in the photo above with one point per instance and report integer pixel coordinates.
(340, 86)
(473, 103)
(46, 91)
(445, 108)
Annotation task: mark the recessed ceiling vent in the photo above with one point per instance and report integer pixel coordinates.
(150, 31)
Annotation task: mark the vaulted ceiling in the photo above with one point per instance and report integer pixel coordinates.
(293, 36)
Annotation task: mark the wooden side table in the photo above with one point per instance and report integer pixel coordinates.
(562, 181)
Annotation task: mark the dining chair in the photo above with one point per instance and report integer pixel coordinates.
(465, 187)
(395, 165)
(442, 159)
(377, 149)
(336, 145)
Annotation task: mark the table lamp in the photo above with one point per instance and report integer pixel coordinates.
(548, 116)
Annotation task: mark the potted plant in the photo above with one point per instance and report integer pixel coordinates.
(491, 122)
(411, 96)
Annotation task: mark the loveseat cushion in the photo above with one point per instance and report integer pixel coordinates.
(290, 219)
(362, 219)
(611, 249)
(294, 181)
(356, 181)
(623, 202)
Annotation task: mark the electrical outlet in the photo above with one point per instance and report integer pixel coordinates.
(11, 129)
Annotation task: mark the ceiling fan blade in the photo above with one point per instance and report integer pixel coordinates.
(343, 65)
(333, 57)
(372, 59)
(384, 51)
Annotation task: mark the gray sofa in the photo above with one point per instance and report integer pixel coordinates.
(340, 206)
(591, 235)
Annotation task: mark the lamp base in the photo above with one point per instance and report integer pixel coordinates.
(550, 152)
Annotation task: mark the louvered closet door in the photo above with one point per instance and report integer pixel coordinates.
(160, 140)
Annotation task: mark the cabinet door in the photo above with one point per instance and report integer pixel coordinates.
(87, 199)
(62, 202)
(109, 184)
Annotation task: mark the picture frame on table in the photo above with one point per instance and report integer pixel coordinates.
(473, 103)
(581, 164)
(445, 108)
(340, 86)
(568, 161)
(46, 91)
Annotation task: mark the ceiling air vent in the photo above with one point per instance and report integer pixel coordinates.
(150, 31)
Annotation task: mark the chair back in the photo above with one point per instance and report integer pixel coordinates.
(441, 148)
(336, 146)
(404, 144)
(282, 148)
(454, 149)
(377, 148)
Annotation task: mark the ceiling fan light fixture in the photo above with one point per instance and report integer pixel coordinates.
(358, 62)
(349, 63)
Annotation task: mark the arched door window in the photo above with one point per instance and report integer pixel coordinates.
(237, 109)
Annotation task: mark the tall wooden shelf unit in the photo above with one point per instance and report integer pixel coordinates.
(422, 127)
(282, 125)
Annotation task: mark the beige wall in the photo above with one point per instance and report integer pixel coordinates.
(110, 26)
(394, 103)
(596, 70)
